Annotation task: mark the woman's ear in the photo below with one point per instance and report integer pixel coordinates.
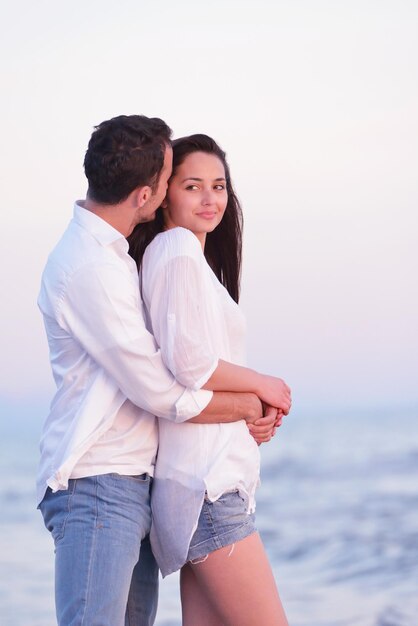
(164, 203)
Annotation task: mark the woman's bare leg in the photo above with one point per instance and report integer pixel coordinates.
(195, 606)
(239, 584)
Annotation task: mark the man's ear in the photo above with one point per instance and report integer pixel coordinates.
(143, 195)
(164, 203)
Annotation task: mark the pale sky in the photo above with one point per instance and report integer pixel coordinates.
(316, 105)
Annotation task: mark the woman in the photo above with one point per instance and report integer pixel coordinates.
(206, 475)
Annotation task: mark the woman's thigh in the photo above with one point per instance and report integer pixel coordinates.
(196, 607)
(238, 582)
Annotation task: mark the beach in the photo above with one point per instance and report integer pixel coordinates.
(337, 509)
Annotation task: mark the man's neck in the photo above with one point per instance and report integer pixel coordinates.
(116, 215)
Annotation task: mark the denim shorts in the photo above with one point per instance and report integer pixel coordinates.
(221, 523)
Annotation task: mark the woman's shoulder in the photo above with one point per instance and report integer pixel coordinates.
(173, 243)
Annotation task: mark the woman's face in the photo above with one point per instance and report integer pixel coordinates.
(196, 196)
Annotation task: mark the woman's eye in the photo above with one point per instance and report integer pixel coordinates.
(219, 187)
(191, 187)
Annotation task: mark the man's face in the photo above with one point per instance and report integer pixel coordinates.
(147, 212)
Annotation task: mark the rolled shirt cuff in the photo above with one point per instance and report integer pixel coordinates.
(192, 403)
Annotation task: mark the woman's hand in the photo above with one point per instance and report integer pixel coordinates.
(274, 392)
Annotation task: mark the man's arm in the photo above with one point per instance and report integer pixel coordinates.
(100, 310)
(231, 407)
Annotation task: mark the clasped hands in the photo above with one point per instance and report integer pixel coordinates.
(272, 403)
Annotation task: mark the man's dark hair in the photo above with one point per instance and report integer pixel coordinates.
(124, 153)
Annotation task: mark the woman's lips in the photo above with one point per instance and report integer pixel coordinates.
(207, 215)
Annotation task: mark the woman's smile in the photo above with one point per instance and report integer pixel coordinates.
(207, 215)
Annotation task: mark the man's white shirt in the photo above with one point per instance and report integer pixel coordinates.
(110, 377)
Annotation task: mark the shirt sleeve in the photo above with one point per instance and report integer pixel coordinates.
(102, 310)
(181, 308)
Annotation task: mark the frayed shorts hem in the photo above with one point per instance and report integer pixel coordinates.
(221, 523)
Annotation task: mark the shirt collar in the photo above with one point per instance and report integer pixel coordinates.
(103, 232)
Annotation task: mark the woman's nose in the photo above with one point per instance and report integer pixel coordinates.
(208, 196)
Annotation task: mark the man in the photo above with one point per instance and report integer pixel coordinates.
(100, 439)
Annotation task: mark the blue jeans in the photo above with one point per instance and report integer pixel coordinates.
(105, 572)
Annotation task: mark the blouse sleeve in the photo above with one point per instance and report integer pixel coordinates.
(181, 307)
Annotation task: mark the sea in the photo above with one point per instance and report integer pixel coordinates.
(337, 510)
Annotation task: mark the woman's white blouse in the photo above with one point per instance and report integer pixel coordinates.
(195, 322)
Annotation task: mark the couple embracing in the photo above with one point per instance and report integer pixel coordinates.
(146, 340)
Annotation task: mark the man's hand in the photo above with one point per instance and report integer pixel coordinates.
(279, 418)
(264, 428)
(249, 406)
